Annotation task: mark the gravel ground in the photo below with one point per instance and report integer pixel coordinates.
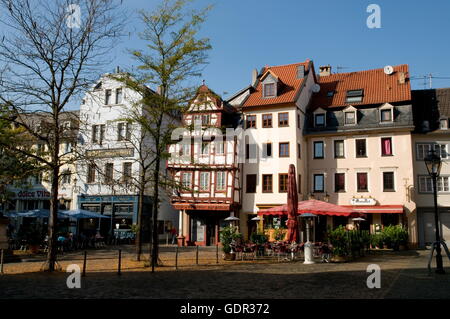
(403, 275)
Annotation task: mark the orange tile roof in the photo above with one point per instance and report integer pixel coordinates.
(378, 87)
(287, 74)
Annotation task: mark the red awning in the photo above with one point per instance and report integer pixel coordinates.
(378, 209)
(313, 206)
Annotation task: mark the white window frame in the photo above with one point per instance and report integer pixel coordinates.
(429, 184)
(202, 185)
(223, 181)
(386, 107)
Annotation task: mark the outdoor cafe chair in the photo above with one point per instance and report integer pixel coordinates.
(249, 250)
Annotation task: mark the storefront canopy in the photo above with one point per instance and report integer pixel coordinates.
(312, 206)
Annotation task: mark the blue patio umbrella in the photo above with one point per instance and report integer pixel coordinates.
(38, 213)
(82, 213)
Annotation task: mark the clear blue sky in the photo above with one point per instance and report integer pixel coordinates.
(248, 34)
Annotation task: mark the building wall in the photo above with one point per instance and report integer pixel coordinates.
(425, 200)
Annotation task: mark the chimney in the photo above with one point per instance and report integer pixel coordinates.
(117, 69)
(325, 70)
(300, 71)
(254, 77)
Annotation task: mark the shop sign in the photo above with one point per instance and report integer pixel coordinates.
(105, 153)
(363, 201)
(42, 194)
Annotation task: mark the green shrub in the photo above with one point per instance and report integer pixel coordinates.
(227, 235)
(339, 239)
(258, 238)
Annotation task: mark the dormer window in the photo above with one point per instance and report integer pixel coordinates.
(386, 115)
(269, 89)
(350, 118)
(350, 115)
(443, 124)
(354, 96)
(319, 120)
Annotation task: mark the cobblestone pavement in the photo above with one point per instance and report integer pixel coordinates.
(403, 275)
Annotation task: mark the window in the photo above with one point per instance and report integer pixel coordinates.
(107, 97)
(251, 121)
(126, 172)
(298, 121)
(185, 149)
(186, 180)
(124, 132)
(386, 115)
(267, 120)
(269, 90)
(422, 150)
(267, 150)
(319, 186)
(354, 96)
(299, 150)
(339, 149)
(68, 147)
(319, 120)
(318, 149)
(66, 176)
(205, 148)
(361, 148)
(206, 119)
(91, 173)
(362, 182)
(386, 146)
(221, 178)
(284, 149)
(350, 118)
(219, 147)
(282, 183)
(250, 151)
(443, 124)
(267, 183)
(109, 167)
(330, 93)
(118, 96)
(339, 182)
(204, 181)
(283, 119)
(388, 181)
(98, 133)
(299, 186)
(426, 184)
(251, 183)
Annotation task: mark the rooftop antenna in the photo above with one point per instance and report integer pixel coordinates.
(339, 68)
(430, 78)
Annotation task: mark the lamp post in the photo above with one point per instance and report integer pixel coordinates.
(433, 163)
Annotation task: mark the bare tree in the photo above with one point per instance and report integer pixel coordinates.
(175, 54)
(50, 52)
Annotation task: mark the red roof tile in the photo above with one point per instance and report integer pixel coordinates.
(287, 74)
(378, 87)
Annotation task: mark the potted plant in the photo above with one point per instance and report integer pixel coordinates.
(376, 241)
(339, 243)
(34, 238)
(228, 235)
(259, 239)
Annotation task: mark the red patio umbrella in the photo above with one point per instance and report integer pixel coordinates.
(292, 204)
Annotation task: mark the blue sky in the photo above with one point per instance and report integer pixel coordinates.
(248, 34)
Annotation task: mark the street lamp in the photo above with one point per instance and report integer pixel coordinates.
(433, 163)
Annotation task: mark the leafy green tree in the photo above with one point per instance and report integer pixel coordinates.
(174, 55)
(50, 53)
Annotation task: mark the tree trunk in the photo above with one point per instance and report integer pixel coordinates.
(155, 198)
(50, 264)
(139, 217)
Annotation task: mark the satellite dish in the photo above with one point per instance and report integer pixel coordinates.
(388, 69)
(316, 88)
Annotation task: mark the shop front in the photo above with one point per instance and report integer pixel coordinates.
(122, 209)
(205, 227)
